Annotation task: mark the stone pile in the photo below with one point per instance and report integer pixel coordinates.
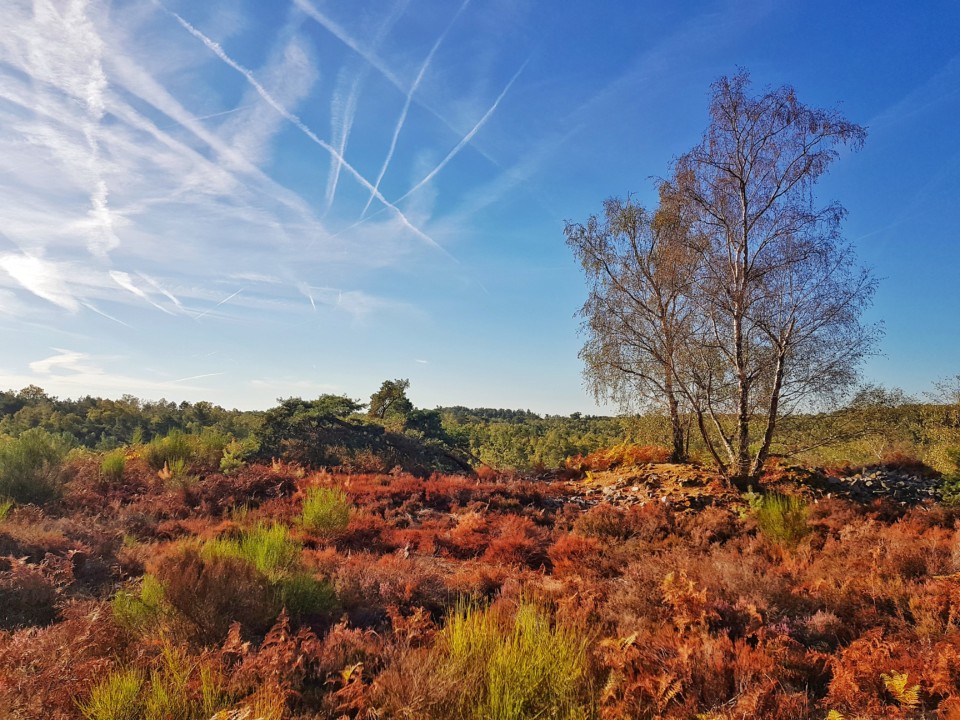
(903, 486)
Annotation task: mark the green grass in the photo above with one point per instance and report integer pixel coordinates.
(5, 507)
(167, 451)
(112, 465)
(325, 510)
(177, 687)
(142, 611)
(116, 697)
(782, 518)
(31, 466)
(515, 670)
(269, 548)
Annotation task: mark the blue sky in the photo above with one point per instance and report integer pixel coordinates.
(239, 200)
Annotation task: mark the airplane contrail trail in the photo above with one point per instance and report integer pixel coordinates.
(466, 138)
(343, 36)
(299, 124)
(406, 104)
(350, 106)
(195, 377)
(210, 310)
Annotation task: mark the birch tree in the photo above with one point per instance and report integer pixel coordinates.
(777, 295)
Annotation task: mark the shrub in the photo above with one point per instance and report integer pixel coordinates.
(28, 596)
(5, 507)
(139, 612)
(31, 466)
(782, 518)
(212, 592)
(112, 465)
(516, 669)
(268, 548)
(622, 456)
(302, 594)
(235, 454)
(167, 451)
(116, 697)
(950, 487)
(325, 510)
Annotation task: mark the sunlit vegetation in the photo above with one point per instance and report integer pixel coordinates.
(207, 570)
(286, 592)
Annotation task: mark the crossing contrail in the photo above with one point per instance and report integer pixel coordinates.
(406, 104)
(299, 124)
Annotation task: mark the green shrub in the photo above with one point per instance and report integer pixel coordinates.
(167, 451)
(142, 611)
(31, 466)
(177, 687)
(209, 446)
(515, 670)
(268, 548)
(112, 465)
(303, 594)
(782, 518)
(325, 510)
(236, 453)
(116, 697)
(5, 507)
(950, 486)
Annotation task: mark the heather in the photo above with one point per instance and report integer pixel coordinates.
(614, 586)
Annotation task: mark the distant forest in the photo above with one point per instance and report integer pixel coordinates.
(877, 426)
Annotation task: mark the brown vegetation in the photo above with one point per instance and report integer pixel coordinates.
(423, 600)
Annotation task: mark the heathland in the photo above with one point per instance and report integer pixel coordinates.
(184, 561)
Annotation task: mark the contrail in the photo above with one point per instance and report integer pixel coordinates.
(207, 117)
(466, 138)
(298, 123)
(406, 104)
(346, 124)
(195, 377)
(349, 108)
(210, 310)
(163, 290)
(101, 312)
(343, 36)
(126, 282)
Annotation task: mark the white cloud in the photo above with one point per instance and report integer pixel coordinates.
(41, 278)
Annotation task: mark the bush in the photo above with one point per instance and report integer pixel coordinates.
(302, 594)
(31, 466)
(782, 518)
(618, 456)
(116, 697)
(325, 511)
(170, 450)
(28, 596)
(5, 507)
(950, 488)
(235, 454)
(268, 548)
(112, 465)
(212, 592)
(513, 670)
(140, 612)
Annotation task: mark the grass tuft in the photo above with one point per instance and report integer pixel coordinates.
(782, 518)
(325, 510)
(511, 670)
(116, 697)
